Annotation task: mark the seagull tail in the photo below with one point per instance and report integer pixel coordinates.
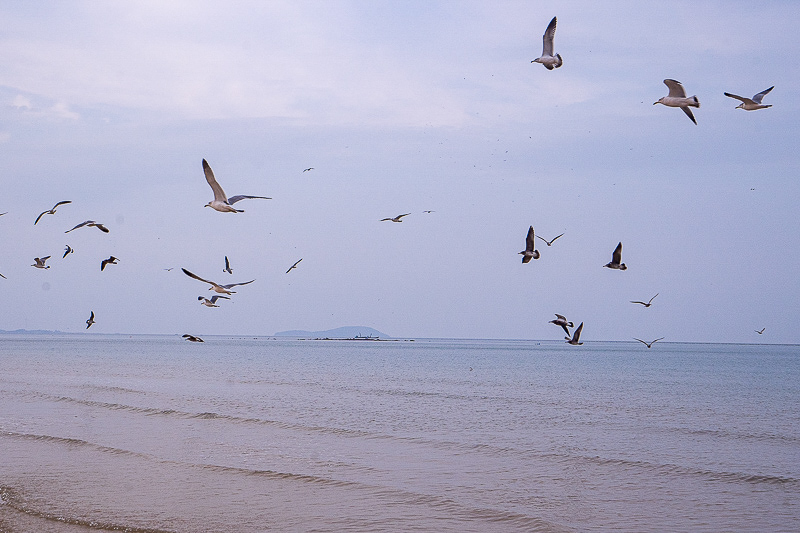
(696, 102)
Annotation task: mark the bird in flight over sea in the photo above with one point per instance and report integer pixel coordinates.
(294, 265)
(576, 337)
(51, 211)
(110, 261)
(751, 104)
(549, 60)
(40, 262)
(222, 203)
(212, 302)
(549, 243)
(192, 338)
(616, 259)
(90, 223)
(648, 344)
(760, 332)
(561, 320)
(530, 251)
(216, 287)
(90, 321)
(395, 219)
(677, 98)
(67, 251)
(227, 268)
(648, 304)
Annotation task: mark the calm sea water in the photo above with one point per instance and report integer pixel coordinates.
(155, 434)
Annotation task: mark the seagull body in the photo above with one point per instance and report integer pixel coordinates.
(90, 223)
(90, 321)
(759, 332)
(549, 243)
(677, 98)
(576, 337)
(616, 260)
(227, 268)
(40, 262)
(212, 302)
(648, 304)
(216, 287)
(51, 211)
(561, 320)
(395, 219)
(221, 202)
(110, 261)
(648, 344)
(67, 251)
(294, 265)
(751, 104)
(549, 60)
(530, 251)
(192, 338)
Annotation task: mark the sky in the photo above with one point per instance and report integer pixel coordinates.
(402, 107)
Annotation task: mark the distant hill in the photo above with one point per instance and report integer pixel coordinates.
(346, 332)
(30, 332)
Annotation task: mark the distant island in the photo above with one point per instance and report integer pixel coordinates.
(346, 332)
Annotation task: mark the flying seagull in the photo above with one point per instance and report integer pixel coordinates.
(575, 336)
(192, 338)
(616, 259)
(222, 203)
(216, 287)
(212, 302)
(648, 304)
(1, 214)
(530, 244)
(395, 219)
(51, 211)
(751, 104)
(549, 60)
(294, 265)
(677, 98)
(110, 261)
(759, 332)
(549, 243)
(648, 344)
(428, 211)
(67, 252)
(40, 262)
(90, 223)
(90, 321)
(227, 268)
(561, 320)
(307, 169)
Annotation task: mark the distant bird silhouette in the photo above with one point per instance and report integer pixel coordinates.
(677, 98)
(575, 336)
(561, 320)
(530, 251)
(168, 269)
(67, 251)
(216, 287)
(192, 338)
(307, 169)
(294, 265)
(2, 276)
(211, 303)
(547, 59)
(648, 344)
(549, 243)
(227, 268)
(221, 202)
(1, 214)
(110, 261)
(648, 304)
(428, 211)
(51, 211)
(395, 219)
(90, 321)
(751, 104)
(40, 262)
(90, 223)
(616, 259)
(760, 332)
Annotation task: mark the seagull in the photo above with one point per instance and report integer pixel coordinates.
(67, 252)
(2, 276)
(212, 302)
(428, 211)
(192, 338)
(51, 211)
(307, 169)
(90, 223)
(40, 262)
(216, 287)
(561, 320)
(549, 243)
(549, 60)
(1, 214)
(648, 304)
(759, 332)
(677, 98)
(395, 219)
(648, 344)
(222, 203)
(294, 265)
(110, 261)
(751, 104)
(616, 260)
(227, 268)
(575, 336)
(90, 321)
(529, 252)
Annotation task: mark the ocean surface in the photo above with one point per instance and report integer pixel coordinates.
(242, 434)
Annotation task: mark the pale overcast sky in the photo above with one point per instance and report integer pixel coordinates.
(402, 107)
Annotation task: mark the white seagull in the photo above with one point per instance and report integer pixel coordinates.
(616, 260)
(677, 98)
(549, 60)
(216, 287)
(90, 321)
(646, 304)
(221, 202)
(751, 104)
(90, 223)
(110, 261)
(212, 302)
(561, 320)
(294, 265)
(395, 219)
(40, 262)
(576, 337)
(67, 251)
(51, 211)
(192, 338)
(227, 268)
(549, 243)
(530, 244)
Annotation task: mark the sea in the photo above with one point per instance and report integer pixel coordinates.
(151, 434)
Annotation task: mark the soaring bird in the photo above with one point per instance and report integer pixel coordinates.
(648, 344)
(192, 338)
(110, 261)
(549, 60)
(90, 321)
(575, 336)
(212, 302)
(227, 268)
(649, 302)
(216, 287)
(294, 265)
(751, 104)
(51, 211)
(616, 259)
(40, 262)
(90, 223)
(760, 332)
(561, 320)
(530, 244)
(677, 98)
(307, 169)
(395, 219)
(67, 251)
(549, 243)
(221, 202)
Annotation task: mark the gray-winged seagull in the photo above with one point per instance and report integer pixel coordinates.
(646, 304)
(212, 302)
(562, 321)
(294, 265)
(648, 344)
(51, 211)
(221, 202)
(90, 223)
(90, 321)
(110, 261)
(216, 287)
(530, 251)
(227, 268)
(549, 60)
(550, 243)
(677, 98)
(576, 336)
(395, 219)
(616, 259)
(67, 251)
(192, 338)
(40, 262)
(751, 104)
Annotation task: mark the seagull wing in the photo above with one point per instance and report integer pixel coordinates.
(229, 285)
(100, 227)
(676, 90)
(740, 98)
(219, 194)
(616, 257)
(40, 216)
(61, 203)
(547, 38)
(658, 339)
(233, 199)
(640, 340)
(638, 302)
(689, 114)
(577, 335)
(757, 98)
(653, 298)
(216, 297)
(195, 276)
(227, 264)
(80, 225)
(530, 240)
(398, 217)
(556, 237)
